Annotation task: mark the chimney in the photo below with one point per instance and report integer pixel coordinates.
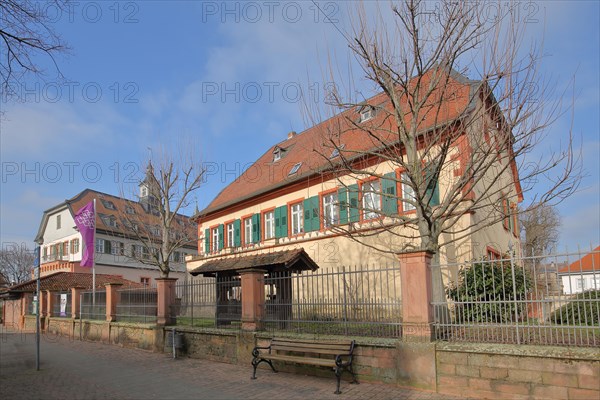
(291, 134)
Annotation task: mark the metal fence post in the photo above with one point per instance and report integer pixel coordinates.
(514, 284)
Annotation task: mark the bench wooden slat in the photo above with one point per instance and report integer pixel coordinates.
(302, 360)
(306, 349)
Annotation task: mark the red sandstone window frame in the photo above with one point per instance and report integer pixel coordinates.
(361, 194)
(322, 194)
(290, 204)
(263, 224)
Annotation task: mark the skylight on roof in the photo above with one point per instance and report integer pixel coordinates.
(336, 151)
(295, 168)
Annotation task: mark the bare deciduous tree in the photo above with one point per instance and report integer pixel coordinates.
(540, 229)
(161, 230)
(26, 32)
(462, 101)
(16, 263)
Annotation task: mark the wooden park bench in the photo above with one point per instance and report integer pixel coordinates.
(337, 355)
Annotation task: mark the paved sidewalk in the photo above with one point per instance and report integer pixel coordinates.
(87, 370)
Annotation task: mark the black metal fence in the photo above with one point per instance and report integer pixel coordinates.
(357, 301)
(93, 305)
(544, 300)
(137, 305)
(209, 302)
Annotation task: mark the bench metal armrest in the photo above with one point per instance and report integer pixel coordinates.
(256, 352)
(339, 360)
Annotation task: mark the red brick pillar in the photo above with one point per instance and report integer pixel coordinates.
(165, 288)
(24, 310)
(112, 299)
(75, 301)
(49, 303)
(253, 299)
(417, 295)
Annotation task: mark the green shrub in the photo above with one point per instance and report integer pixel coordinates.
(485, 293)
(581, 310)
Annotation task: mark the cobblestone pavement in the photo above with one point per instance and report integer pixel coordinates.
(71, 369)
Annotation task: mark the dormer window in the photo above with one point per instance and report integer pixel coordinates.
(109, 205)
(278, 153)
(295, 168)
(367, 113)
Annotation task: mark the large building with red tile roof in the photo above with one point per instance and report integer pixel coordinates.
(293, 196)
(118, 250)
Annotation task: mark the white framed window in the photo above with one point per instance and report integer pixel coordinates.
(597, 282)
(99, 245)
(248, 231)
(230, 233)
(297, 218)
(269, 224)
(407, 193)
(215, 240)
(277, 154)
(581, 283)
(371, 199)
(331, 210)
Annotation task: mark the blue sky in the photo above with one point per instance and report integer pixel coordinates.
(225, 76)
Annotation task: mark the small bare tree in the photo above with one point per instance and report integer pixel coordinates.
(26, 32)
(461, 100)
(161, 230)
(540, 229)
(16, 263)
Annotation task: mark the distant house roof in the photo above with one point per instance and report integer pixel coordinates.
(61, 281)
(291, 260)
(588, 263)
(112, 213)
(313, 147)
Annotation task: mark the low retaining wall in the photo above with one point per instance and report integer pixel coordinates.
(476, 370)
(518, 372)
(142, 336)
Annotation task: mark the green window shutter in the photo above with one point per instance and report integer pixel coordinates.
(307, 216)
(353, 200)
(206, 241)
(277, 216)
(433, 188)
(281, 228)
(107, 247)
(389, 196)
(343, 204)
(316, 215)
(221, 236)
(256, 228)
(311, 214)
(237, 229)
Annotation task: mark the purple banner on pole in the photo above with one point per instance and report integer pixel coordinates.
(85, 219)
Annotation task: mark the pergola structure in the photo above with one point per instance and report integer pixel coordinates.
(248, 273)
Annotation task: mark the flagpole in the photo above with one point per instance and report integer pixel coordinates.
(38, 262)
(94, 263)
